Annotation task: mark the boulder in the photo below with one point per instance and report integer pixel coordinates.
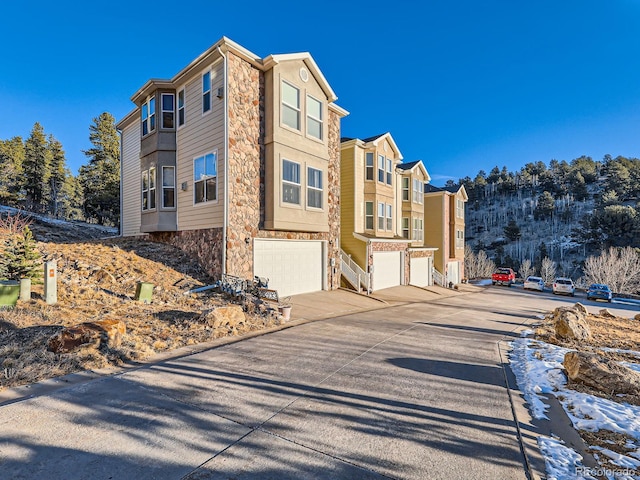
(92, 335)
(637, 317)
(229, 316)
(606, 313)
(571, 323)
(581, 308)
(601, 373)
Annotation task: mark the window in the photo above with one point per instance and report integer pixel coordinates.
(389, 170)
(459, 208)
(369, 166)
(168, 187)
(405, 189)
(405, 227)
(314, 118)
(381, 216)
(459, 238)
(314, 187)
(145, 190)
(167, 110)
(205, 175)
(152, 188)
(381, 168)
(290, 182)
(417, 229)
(149, 116)
(290, 106)
(418, 194)
(368, 215)
(206, 92)
(181, 107)
(389, 217)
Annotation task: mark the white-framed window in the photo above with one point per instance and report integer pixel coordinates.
(181, 115)
(145, 190)
(168, 187)
(290, 182)
(314, 118)
(405, 189)
(405, 227)
(368, 166)
(205, 177)
(380, 216)
(290, 106)
(148, 116)
(168, 110)
(418, 193)
(459, 238)
(152, 188)
(389, 170)
(206, 92)
(459, 208)
(381, 168)
(368, 215)
(314, 187)
(418, 232)
(389, 217)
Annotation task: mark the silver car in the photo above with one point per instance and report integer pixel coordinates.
(534, 283)
(564, 286)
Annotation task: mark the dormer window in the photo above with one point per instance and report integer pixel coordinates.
(148, 116)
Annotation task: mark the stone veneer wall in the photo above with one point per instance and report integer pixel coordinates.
(392, 247)
(246, 175)
(204, 245)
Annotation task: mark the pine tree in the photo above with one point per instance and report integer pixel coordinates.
(11, 159)
(20, 258)
(36, 169)
(100, 178)
(58, 174)
(512, 231)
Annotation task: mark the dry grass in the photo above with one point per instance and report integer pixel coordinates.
(97, 280)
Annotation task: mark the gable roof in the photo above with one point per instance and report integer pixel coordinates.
(450, 190)
(306, 57)
(411, 166)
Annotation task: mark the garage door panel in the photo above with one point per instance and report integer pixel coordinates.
(420, 271)
(387, 269)
(292, 266)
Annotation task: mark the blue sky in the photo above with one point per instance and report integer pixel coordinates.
(462, 85)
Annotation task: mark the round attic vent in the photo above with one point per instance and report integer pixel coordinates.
(304, 74)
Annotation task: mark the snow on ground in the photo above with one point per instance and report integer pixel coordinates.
(55, 221)
(538, 369)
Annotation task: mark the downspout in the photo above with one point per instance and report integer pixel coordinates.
(226, 162)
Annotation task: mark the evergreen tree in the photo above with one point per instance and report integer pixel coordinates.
(100, 178)
(512, 231)
(20, 258)
(544, 208)
(35, 169)
(58, 174)
(11, 159)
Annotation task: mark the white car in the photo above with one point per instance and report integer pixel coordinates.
(534, 283)
(564, 286)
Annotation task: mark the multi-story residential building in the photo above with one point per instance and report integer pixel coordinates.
(445, 229)
(375, 243)
(236, 160)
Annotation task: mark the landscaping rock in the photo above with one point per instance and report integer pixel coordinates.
(229, 316)
(602, 374)
(571, 323)
(581, 308)
(606, 313)
(92, 335)
(637, 317)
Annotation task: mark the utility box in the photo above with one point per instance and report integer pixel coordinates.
(9, 293)
(51, 282)
(144, 291)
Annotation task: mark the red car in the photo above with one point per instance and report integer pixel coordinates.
(503, 276)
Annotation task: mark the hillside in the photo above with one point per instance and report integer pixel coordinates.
(97, 280)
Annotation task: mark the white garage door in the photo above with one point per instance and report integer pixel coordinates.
(387, 269)
(420, 273)
(453, 272)
(292, 266)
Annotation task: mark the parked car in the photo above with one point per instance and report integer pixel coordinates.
(564, 286)
(534, 283)
(503, 276)
(599, 291)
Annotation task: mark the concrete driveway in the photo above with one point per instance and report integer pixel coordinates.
(411, 390)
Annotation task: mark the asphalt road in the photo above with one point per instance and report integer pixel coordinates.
(413, 391)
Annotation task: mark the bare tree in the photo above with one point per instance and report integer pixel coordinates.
(548, 270)
(618, 267)
(477, 266)
(526, 269)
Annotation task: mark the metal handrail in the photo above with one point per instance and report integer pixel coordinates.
(438, 278)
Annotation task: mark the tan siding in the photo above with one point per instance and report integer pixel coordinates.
(131, 194)
(434, 228)
(352, 203)
(200, 134)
